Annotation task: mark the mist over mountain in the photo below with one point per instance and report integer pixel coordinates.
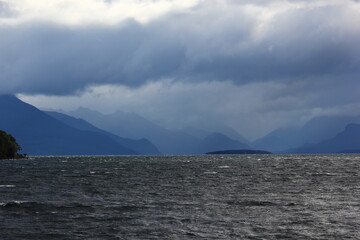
(188, 141)
(218, 128)
(347, 141)
(218, 142)
(53, 133)
(142, 146)
(314, 131)
(40, 134)
(128, 125)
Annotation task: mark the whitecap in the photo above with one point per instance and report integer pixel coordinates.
(224, 166)
(12, 203)
(7, 186)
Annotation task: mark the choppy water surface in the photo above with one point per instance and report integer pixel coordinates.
(181, 197)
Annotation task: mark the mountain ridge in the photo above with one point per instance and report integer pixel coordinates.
(142, 146)
(314, 131)
(40, 134)
(345, 141)
(130, 124)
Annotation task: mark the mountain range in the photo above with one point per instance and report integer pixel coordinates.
(41, 134)
(87, 132)
(187, 141)
(54, 133)
(142, 146)
(315, 131)
(347, 141)
(197, 141)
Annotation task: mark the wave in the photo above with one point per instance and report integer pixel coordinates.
(20, 204)
(252, 203)
(40, 205)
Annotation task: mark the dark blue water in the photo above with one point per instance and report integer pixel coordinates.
(181, 197)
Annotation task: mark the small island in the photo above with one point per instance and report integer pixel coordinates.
(9, 148)
(241, 151)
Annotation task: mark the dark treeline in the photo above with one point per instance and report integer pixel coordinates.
(9, 148)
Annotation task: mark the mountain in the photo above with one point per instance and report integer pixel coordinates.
(219, 142)
(347, 141)
(201, 132)
(190, 141)
(278, 140)
(128, 125)
(314, 131)
(135, 126)
(40, 134)
(142, 146)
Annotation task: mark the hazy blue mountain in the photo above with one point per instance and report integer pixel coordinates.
(232, 133)
(129, 125)
(196, 132)
(41, 134)
(314, 131)
(347, 141)
(219, 142)
(135, 126)
(279, 139)
(142, 146)
(201, 132)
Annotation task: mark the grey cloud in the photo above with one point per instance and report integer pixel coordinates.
(6, 11)
(300, 44)
(253, 109)
(203, 45)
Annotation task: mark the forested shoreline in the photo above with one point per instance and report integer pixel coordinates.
(9, 148)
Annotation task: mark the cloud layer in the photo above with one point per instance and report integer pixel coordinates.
(238, 41)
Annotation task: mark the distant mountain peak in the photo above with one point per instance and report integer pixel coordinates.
(347, 140)
(217, 141)
(217, 135)
(314, 131)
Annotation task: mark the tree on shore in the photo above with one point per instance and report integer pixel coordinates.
(9, 148)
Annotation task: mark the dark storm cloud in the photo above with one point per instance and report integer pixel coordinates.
(204, 44)
(301, 43)
(53, 59)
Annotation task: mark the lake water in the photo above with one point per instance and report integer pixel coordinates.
(181, 197)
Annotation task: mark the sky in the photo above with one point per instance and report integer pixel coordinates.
(253, 65)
